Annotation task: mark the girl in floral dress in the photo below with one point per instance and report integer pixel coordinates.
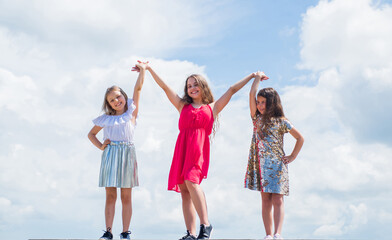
(267, 169)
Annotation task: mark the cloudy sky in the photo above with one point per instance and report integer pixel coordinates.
(331, 62)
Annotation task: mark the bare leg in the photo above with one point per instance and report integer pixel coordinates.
(266, 211)
(188, 209)
(278, 203)
(111, 196)
(199, 201)
(126, 200)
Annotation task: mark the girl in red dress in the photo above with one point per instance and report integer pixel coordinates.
(191, 157)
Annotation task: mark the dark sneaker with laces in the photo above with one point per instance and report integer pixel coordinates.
(188, 236)
(107, 235)
(125, 235)
(205, 232)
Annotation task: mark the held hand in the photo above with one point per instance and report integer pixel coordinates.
(261, 76)
(105, 144)
(288, 159)
(140, 65)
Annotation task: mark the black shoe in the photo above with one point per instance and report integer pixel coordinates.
(125, 235)
(107, 235)
(188, 236)
(205, 232)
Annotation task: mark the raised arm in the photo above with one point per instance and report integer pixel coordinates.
(218, 105)
(141, 68)
(171, 95)
(259, 76)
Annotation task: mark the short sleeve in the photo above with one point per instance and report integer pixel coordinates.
(100, 121)
(286, 125)
(131, 106)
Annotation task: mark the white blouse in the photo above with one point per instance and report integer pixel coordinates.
(118, 127)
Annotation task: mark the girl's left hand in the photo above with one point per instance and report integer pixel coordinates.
(288, 159)
(140, 65)
(261, 76)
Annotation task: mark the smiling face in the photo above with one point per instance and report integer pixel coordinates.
(193, 89)
(116, 101)
(196, 90)
(261, 103)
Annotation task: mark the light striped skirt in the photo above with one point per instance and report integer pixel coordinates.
(119, 166)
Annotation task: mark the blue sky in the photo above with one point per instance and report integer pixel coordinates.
(331, 62)
(261, 34)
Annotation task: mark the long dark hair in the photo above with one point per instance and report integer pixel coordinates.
(273, 107)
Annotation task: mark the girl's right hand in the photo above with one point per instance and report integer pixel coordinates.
(261, 76)
(105, 144)
(140, 65)
(287, 159)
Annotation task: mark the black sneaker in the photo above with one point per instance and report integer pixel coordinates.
(107, 235)
(188, 236)
(205, 232)
(125, 235)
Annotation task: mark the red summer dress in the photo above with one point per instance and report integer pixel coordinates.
(192, 152)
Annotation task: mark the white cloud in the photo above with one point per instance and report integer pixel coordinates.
(11, 213)
(344, 33)
(78, 35)
(16, 91)
(347, 218)
(352, 37)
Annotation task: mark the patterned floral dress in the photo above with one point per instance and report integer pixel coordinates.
(266, 171)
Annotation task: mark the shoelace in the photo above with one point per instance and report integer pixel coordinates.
(125, 234)
(107, 232)
(203, 232)
(187, 234)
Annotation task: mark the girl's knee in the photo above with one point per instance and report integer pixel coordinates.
(126, 199)
(193, 187)
(190, 184)
(126, 195)
(111, 197)
(277, 199)
(185, 192)
(266, 203)
(266, 200)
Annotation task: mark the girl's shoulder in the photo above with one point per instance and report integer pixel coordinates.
(102, 120)
(106, 120)
(283, 123)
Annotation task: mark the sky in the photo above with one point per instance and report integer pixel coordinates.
(330, 61)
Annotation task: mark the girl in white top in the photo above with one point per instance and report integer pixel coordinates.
(118, 164)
